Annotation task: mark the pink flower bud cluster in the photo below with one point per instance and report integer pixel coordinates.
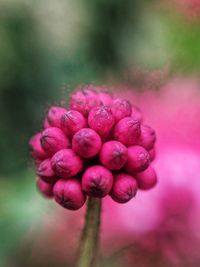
(97, 147)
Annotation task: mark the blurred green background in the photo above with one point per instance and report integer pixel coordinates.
(49, 47)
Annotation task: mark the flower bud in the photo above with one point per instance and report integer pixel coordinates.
(46, 172)
(53, 139)
(121, 108)
(101, 120)
(138, 159)
(113, 155)
(86, 143)
(83, 100)
(72, 121)
(147, 179)
(54, 116)
(97, 181)
(105, 99)
(147, 138)
(136, 114)
(127, 131)
(66, 163)
(45, 189)
(68, 194)
(124, 188)
(37, 150)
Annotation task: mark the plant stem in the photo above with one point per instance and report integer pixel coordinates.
(89, 244)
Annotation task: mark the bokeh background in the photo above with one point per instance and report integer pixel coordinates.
(151, 50)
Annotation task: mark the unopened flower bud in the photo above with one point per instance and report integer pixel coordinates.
(53, 139)
(46, 172)
(127, 131)
(152, 154)
(83, 100)
(45, 189)
(101, 120)
(138, 159)
(86, 143)
(124, 188)
(97, 181)
(147, 138)
(54, 116)
(121, 108)
(105, 99)
(68, 194)
(147, 179)
(113, 155)
(36, 149)
(46, 124)
(72, 121)
(66, 163)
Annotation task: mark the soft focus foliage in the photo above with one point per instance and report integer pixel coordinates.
(46, 49)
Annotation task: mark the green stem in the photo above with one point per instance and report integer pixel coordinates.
(88, 251)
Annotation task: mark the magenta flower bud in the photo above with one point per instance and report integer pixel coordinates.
(66, 163)
(105, 99)
(68, 194)
(101, 120)
(136, 114)
(37, 150)
(147, 179)
(113, 155)
(46, 172)
(54, 116)
(121, 108)
(46, 123)
(124, 188)
(72, 121)
(53, 139)
(152, 154)
(83, 100)
(138, 159)
(45, 189)
(147, 138)
(97, 181)
(86, 143)
(127, 131)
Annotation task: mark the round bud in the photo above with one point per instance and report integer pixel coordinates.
(127, 131)
(101, 120)
(97, 181)
(45, 189)
(66, 163)
(37, 150)
(53, 139)
(147, 179)
(138, 159)
(72, 121)
(136, 114)
(45, 171)
(113, 155)
(147, 138)
(86, 143)
(83, 100)
(68, 194)
(124, 188)
(121, 108)
(105, 99)
(54, 116)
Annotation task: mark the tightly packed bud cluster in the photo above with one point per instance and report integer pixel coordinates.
(96, 147)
